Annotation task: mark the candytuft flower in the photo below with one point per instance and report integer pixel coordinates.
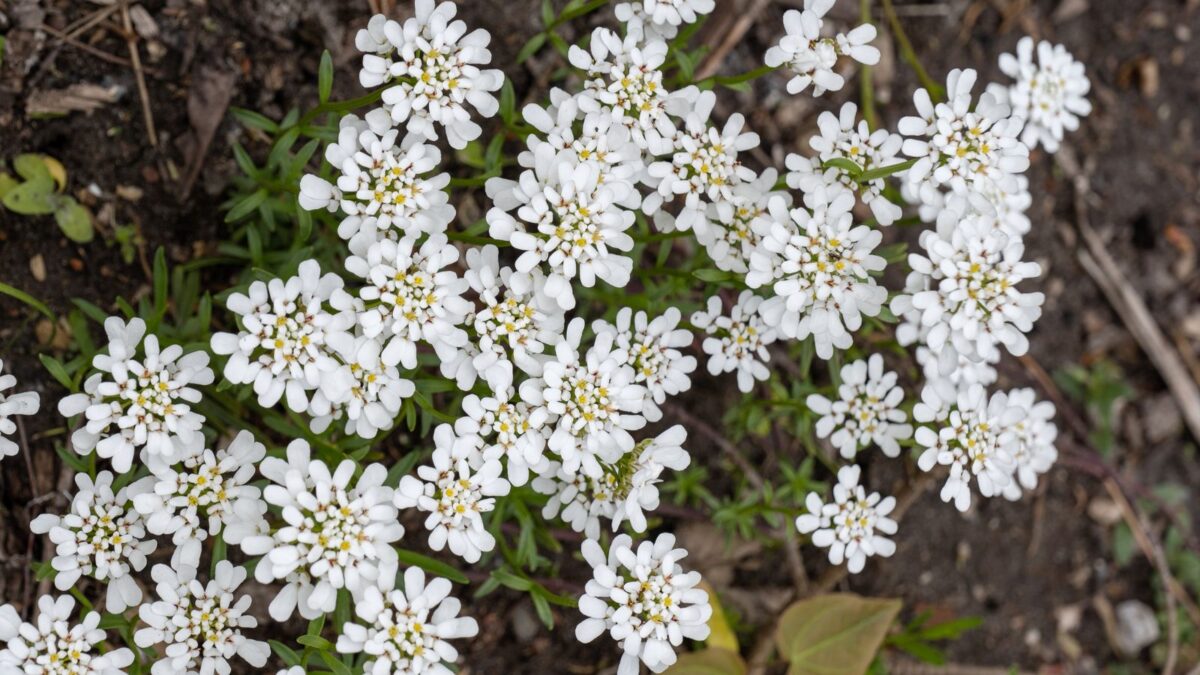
(867, 410)
(1049, 96)
(337, 532)
(431, 68)
(200, 625)
(644, 600)
(407, 631)
(53, 646)
(139, 403)
(1033, 450)
(737, 341)
(812, 58)
(652, 349)
(455, 496)
(286, 327)
(660, 18)
(852, 525)
(24, 403)
(102, 537)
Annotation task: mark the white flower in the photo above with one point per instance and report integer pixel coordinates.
(1033, 449)
(337, 532)
(498, 427)
(737, 341)
(1050, 95)
(644, 600)
(959, 149)
(286, 326)
(515, 323)
(652, 348)
(867, 410)
(975, 437)
(626, 491)
(960, 371)
(455, 496)
(384, 185)
(142, 403)
(406, 631)
(102, 537)
(660, 18)
(842, 139)
(430, 67)
(734, 226)
(852, 525)
(24, 403)
(963, 293)
(625, 80)
(812, 58)
(578, 225)
(601, 141)
(704, 165)
(204, 494)
(362, 389)
(411, 296)
(594, 399)
(819, 267)
(53, 646)
(199, 624)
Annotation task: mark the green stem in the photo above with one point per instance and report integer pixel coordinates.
(865, 86)
(338, 106)
(936, 91)
(728, 80)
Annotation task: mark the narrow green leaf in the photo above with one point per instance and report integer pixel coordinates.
(531, 47)
(285, 653)
(315, 641)
(336, 666)
(325, 76)
(57, 371)
(26, 298)
(432, 566)
(246, 206)
(254, 119)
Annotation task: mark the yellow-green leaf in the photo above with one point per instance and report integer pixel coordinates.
(709, 662)
(32, 198)
(835, 634)
(31, 167)
(720, 635)
(57, 171)
(75, 221)
(7, 183)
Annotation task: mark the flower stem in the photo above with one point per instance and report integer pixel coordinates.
(936, 91)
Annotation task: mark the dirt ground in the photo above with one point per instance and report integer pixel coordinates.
(1039, 572)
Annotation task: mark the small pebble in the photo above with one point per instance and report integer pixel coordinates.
(37, 267)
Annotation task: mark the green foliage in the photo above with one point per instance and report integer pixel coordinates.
(916, 639)
(1098, 388)
(40, 193)
(836, 633)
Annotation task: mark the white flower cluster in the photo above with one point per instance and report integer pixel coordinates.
(643, 599)
(139, 403)
(853, 525)
(737, 341)
(1049, 96)
(55, 646)
(867, 410)
(660, 18)
(24, 403)
(811, 57)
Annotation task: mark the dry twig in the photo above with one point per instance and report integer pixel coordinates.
(746, 16)
(136, 63)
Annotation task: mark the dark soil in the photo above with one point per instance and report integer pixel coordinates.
(1029, 569)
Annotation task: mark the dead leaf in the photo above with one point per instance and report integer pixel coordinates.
(143, 23)
(83, 97)
(37, 267)
(208, 99)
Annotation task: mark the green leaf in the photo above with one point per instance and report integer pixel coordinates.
(7, 183)
(720, 635)
(849, 166)
(27, 299)
(547, 13)
(508, 101)
(335, 665)
(285, 653)
(511, 580)
(32, 198)
(712, 276)
(712, 661)
(75, 221)
(254, 119)
(315, 641)
(835, 633)
(161, 279)
(32, 168)
(325, 76)
(57, 371)
(246, 206)
(535, 43)
(542, 607)
(432, 566)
